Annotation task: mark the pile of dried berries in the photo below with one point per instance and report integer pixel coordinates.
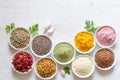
(22, 61)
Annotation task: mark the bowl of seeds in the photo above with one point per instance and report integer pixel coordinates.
(104, 58)
(19, 38)
(41, 46)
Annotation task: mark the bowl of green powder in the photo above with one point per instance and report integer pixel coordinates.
(19, 38)
(63, 53)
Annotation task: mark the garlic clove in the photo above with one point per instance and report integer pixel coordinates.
(50, 31)
(62, 73)
(47, 27)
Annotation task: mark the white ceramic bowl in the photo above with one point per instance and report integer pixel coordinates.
(48, 78)
(15, 47)
(65, 63)
(107, 67)
(87, 52)
(17, 70)
(80, 76)
(101, 44)
(41, 55)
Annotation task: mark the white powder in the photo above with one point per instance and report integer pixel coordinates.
(83, 65)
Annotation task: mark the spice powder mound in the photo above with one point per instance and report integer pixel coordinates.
(46, 67)
(84, 41)
(41, 45)
(104, 58)
(19, 38)
(83, 65)
(106, 36)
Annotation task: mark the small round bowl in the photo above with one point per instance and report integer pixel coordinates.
(15, 47)
(101, 44)
(108, 68)
(41, 56)
(48, 78)
(87, 52)
(17, 70)
(92, 71)
(65, 63)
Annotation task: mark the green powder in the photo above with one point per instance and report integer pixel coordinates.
(63, 52)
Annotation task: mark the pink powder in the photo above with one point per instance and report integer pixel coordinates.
(106, 35)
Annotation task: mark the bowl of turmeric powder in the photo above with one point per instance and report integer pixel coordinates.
(84, 42)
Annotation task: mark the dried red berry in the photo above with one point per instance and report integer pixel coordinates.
(22, 61)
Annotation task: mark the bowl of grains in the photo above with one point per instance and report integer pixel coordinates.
(83, 66)
(46, 68)
(106, 36)
(22, 62)
(41, 46)
(84, 42)
(19, 38)
(104, 59)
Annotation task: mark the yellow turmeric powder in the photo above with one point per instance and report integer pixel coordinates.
(84, 41)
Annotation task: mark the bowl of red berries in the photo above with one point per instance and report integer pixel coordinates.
(22, 62)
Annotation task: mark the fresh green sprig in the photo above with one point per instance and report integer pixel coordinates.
(10, 27)
(90, 26)
(67, 70)
(34, 29)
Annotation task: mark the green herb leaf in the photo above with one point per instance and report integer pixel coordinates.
(10, 27)
(90, 26)
(67, 70)
(34, 29)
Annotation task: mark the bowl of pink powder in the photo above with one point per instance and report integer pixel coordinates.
(105, 36)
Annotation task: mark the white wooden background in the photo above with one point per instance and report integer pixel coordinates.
(68, 17)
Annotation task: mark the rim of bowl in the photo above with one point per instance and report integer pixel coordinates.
(15, 47)
(13, 65)
(98, 41)
(65, 63)
(47, 77)
(92, 71)
(108, 68)
(87, 52)
(46, 53)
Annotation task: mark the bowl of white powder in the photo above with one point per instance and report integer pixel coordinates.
(83, 66)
